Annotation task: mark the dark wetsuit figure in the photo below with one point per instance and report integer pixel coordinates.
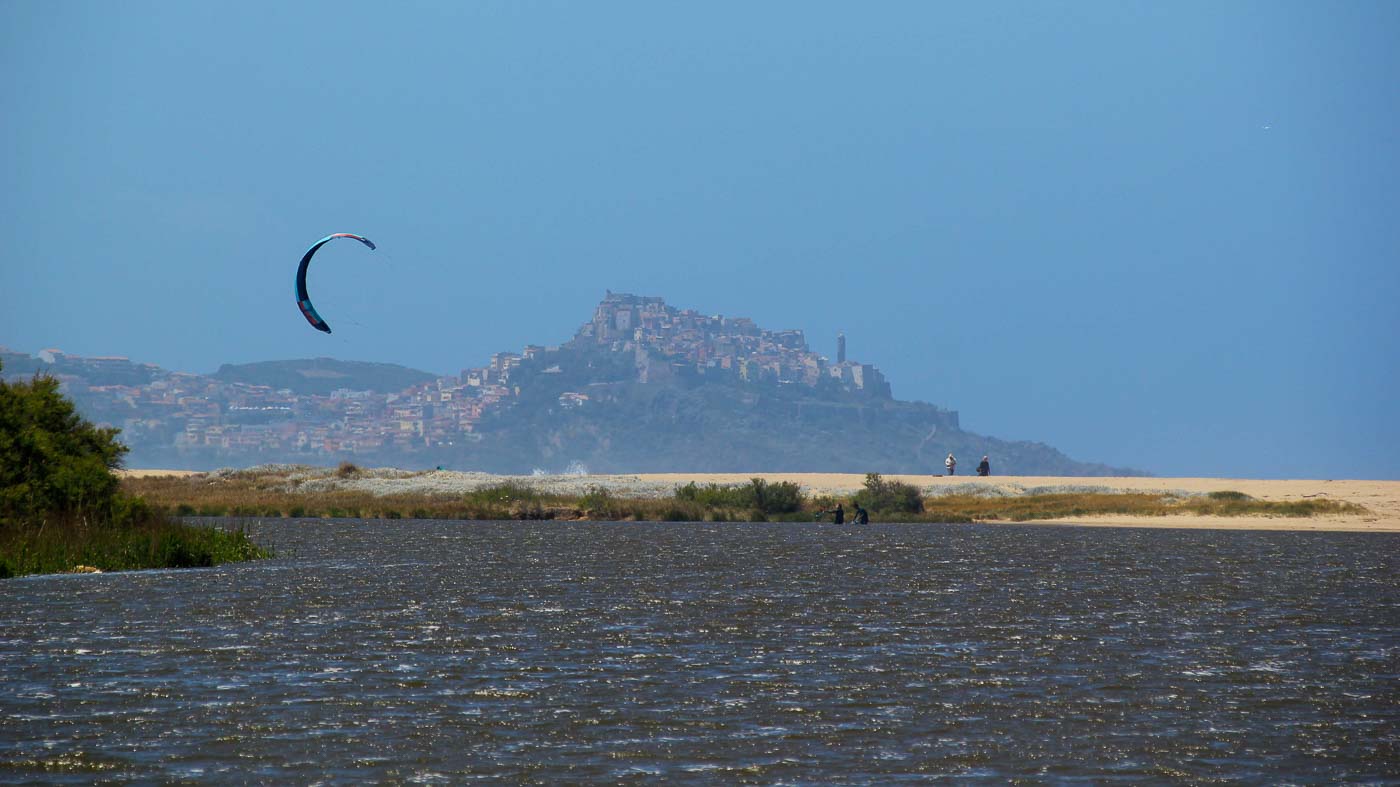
(985, 468)
(860, 517)
(839, 517)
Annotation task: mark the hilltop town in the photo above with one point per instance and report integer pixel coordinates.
(641, 386)
(173, 413)
(671, 341)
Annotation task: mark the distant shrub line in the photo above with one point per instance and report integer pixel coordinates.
(62, 508)
(269, 495)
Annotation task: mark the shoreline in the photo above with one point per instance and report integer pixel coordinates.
(1380, 498)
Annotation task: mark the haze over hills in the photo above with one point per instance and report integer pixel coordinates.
(324, 376)
(641, 387)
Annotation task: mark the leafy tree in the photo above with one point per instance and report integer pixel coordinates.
(52, 460)
(60, 502)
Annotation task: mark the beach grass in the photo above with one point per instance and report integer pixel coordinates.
(279, 493)
(1031, 507)
(269, 495)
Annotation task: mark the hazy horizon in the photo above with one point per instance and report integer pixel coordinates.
(1151, 235)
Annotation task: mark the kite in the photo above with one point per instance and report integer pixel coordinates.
(303, 299)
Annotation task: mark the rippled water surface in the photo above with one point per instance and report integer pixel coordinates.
(445, 651)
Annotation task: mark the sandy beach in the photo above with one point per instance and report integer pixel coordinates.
(1380, 498)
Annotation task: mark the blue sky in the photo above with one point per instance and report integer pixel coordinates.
(1162, 235)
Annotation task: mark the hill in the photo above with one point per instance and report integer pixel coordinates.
(642, 386)
(694, 423)
(321, 376)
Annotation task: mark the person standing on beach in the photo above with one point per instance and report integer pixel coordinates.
(951, 464)
(985, 468)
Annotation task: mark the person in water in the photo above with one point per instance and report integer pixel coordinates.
(951, 464)
(985, 468)
(838, 515)
(859, 517)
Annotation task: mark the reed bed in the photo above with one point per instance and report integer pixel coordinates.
(72, 544)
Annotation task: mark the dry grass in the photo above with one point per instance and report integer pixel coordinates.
(970, 508)
(271, 495)
(278, 492)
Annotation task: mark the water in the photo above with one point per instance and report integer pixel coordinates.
(548, 653)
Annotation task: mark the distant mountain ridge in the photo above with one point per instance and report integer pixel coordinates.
(323, 376)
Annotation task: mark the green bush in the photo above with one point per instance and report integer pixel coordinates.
(128, 511)
(889, 496)
(709, 494)
(757, 496)
(780, 498)
(599, 503)
(60, 503)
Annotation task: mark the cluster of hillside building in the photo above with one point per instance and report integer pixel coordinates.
(668, 340)
(190, 412)
(186, 412)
